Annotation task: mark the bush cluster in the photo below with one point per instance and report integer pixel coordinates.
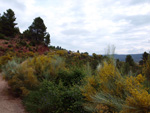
(66, 83)
(109, 91)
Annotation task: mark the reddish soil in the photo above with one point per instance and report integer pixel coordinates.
(8, 103)
(13, 45)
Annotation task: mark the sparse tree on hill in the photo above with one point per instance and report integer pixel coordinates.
(129, 60)
(26, 34)
(144, 58)
(37, 32)
(8, 23)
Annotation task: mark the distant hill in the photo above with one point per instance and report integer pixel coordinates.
(136, 57)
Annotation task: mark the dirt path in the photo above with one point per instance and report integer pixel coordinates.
(9, 104)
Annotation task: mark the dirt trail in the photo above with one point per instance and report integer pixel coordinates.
(8, 103)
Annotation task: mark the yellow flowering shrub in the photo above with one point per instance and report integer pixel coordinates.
(45, 66)
(138, 102)
(134, 83)
(138, 99)
(4, 60)
(23, 80)
(61, 52)
(108, 91)
(108, 81)
(90, 88)
(39, 64)
(76, 54)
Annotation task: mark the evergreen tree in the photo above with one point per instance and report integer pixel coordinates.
(36, 33)
(26, 34)
(144, 58)
(8, 23)
(129, 60)
(37, 30)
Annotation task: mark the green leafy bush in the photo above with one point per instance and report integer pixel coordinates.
(10, 45)
(1, 48)
(9, 69)
(23, 43)
(5, 42)
(52, 98)
(71, 76)
(2, 36)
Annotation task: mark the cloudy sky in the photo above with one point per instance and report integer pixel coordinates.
(88, 25)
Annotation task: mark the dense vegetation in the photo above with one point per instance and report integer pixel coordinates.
(61, 81)
(36, 32)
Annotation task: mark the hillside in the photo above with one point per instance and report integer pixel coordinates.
(23, 45)
(19, 45)
(136, 57)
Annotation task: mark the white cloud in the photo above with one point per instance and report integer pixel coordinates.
(89, 25)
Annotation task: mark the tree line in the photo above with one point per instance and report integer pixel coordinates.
(36, 32)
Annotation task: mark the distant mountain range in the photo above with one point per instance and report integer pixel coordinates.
(136, 57)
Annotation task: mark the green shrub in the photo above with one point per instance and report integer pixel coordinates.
(20, 77)
(2, 36)
(27, 46)
(32, 43)
(10, 45)
(30, 49)
(20, 51)
(5, 42)
(9, 69)
(7, 38)
(17, 46)
(71, 77)
(1, 48)
(21, 37)
(23, 43)
(52, 98)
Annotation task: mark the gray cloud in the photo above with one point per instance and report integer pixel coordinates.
(14, 4)
(135, 50)
(135, 2)
(64, 25)
(78, 22)
(78, 32)
(89, 26)
(77, 10)
(137, 20)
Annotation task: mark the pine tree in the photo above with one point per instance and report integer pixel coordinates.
(8, 23)
(129, 60)
(144, 58)
(36, 33)
(37, 30)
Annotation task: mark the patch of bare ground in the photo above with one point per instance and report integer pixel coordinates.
(8, 103)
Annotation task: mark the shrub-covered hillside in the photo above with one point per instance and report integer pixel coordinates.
(61, 81)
